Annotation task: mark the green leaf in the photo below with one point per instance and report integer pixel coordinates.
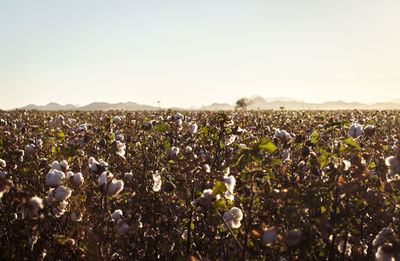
(167, 145)
(218, 188)
(372, 165)
(267, 144)
(323, 160)
(220, 204)
(161, 127)
(323, 209)
(314, 137)
(352, 144)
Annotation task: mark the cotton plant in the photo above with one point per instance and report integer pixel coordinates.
(393, 162)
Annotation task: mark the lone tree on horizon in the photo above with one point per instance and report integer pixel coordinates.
(242, 103)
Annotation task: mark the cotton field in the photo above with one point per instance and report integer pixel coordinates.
(166, 185)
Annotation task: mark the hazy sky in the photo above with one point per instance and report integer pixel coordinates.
(197, 52)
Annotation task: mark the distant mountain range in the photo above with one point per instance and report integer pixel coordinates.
(256, 103)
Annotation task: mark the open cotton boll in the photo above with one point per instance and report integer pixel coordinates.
(230, 140)
(381, 255)
(70, 174)
(120, 148)
(340, 248)
(35, 204)
(115, 186)
(62, 193)
(178, 122)
(54, 177)
(116, 119)
(56, 165)
(356, 130)
(157, 181)
(172, 152)
(77, 179)
(270, 236)
(179, 116)
(116, 215)
(381, 236)
(128, 176)
(206, 168)
(30, 148)
(193, 129)
(64, 165)
(188, 149)
(103, 179)
(233, 217)
(393, 163)
(49, 199)
(3, 163)
(230, 182)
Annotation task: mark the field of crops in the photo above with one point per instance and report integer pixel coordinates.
(317, 185)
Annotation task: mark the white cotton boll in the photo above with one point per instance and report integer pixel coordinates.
(64, 165)
(230, 140)
(30, 148)
(380, 237)
(270, 236)
(356, 130)
(179, 116)
(56, 165)
(242, 146)
(103, 179)
(3, 163)
(54, 177)
(120, 148)
(381, 255)
(193, 129)
(185, 234)
(286, 155)
(103, 164)
(70, 174)
(77, 179)
(35, 203)
(206, 168)
(157, 182)
(76, 216)
(230, 182)
(393, 163)
(188, 149)
(172, 152)
(49, 199)
(347, 164)
(128, 176)
(340, 248)
(116, 119)
(237, 213)
(62, 193)
(117, 215)
(119, 137)
(115, 187)
(178, 122)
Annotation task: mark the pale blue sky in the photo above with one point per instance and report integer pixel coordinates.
(197, 52)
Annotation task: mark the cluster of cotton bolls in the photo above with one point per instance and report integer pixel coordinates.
(58, 194)
(230, 183)
(394, 165)
(233, 217)
(97, 166)
(383, 250)
(108, 184)
(5, 183)
(356, 130)
(29, 148)
(117, 217)
(282, 134)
